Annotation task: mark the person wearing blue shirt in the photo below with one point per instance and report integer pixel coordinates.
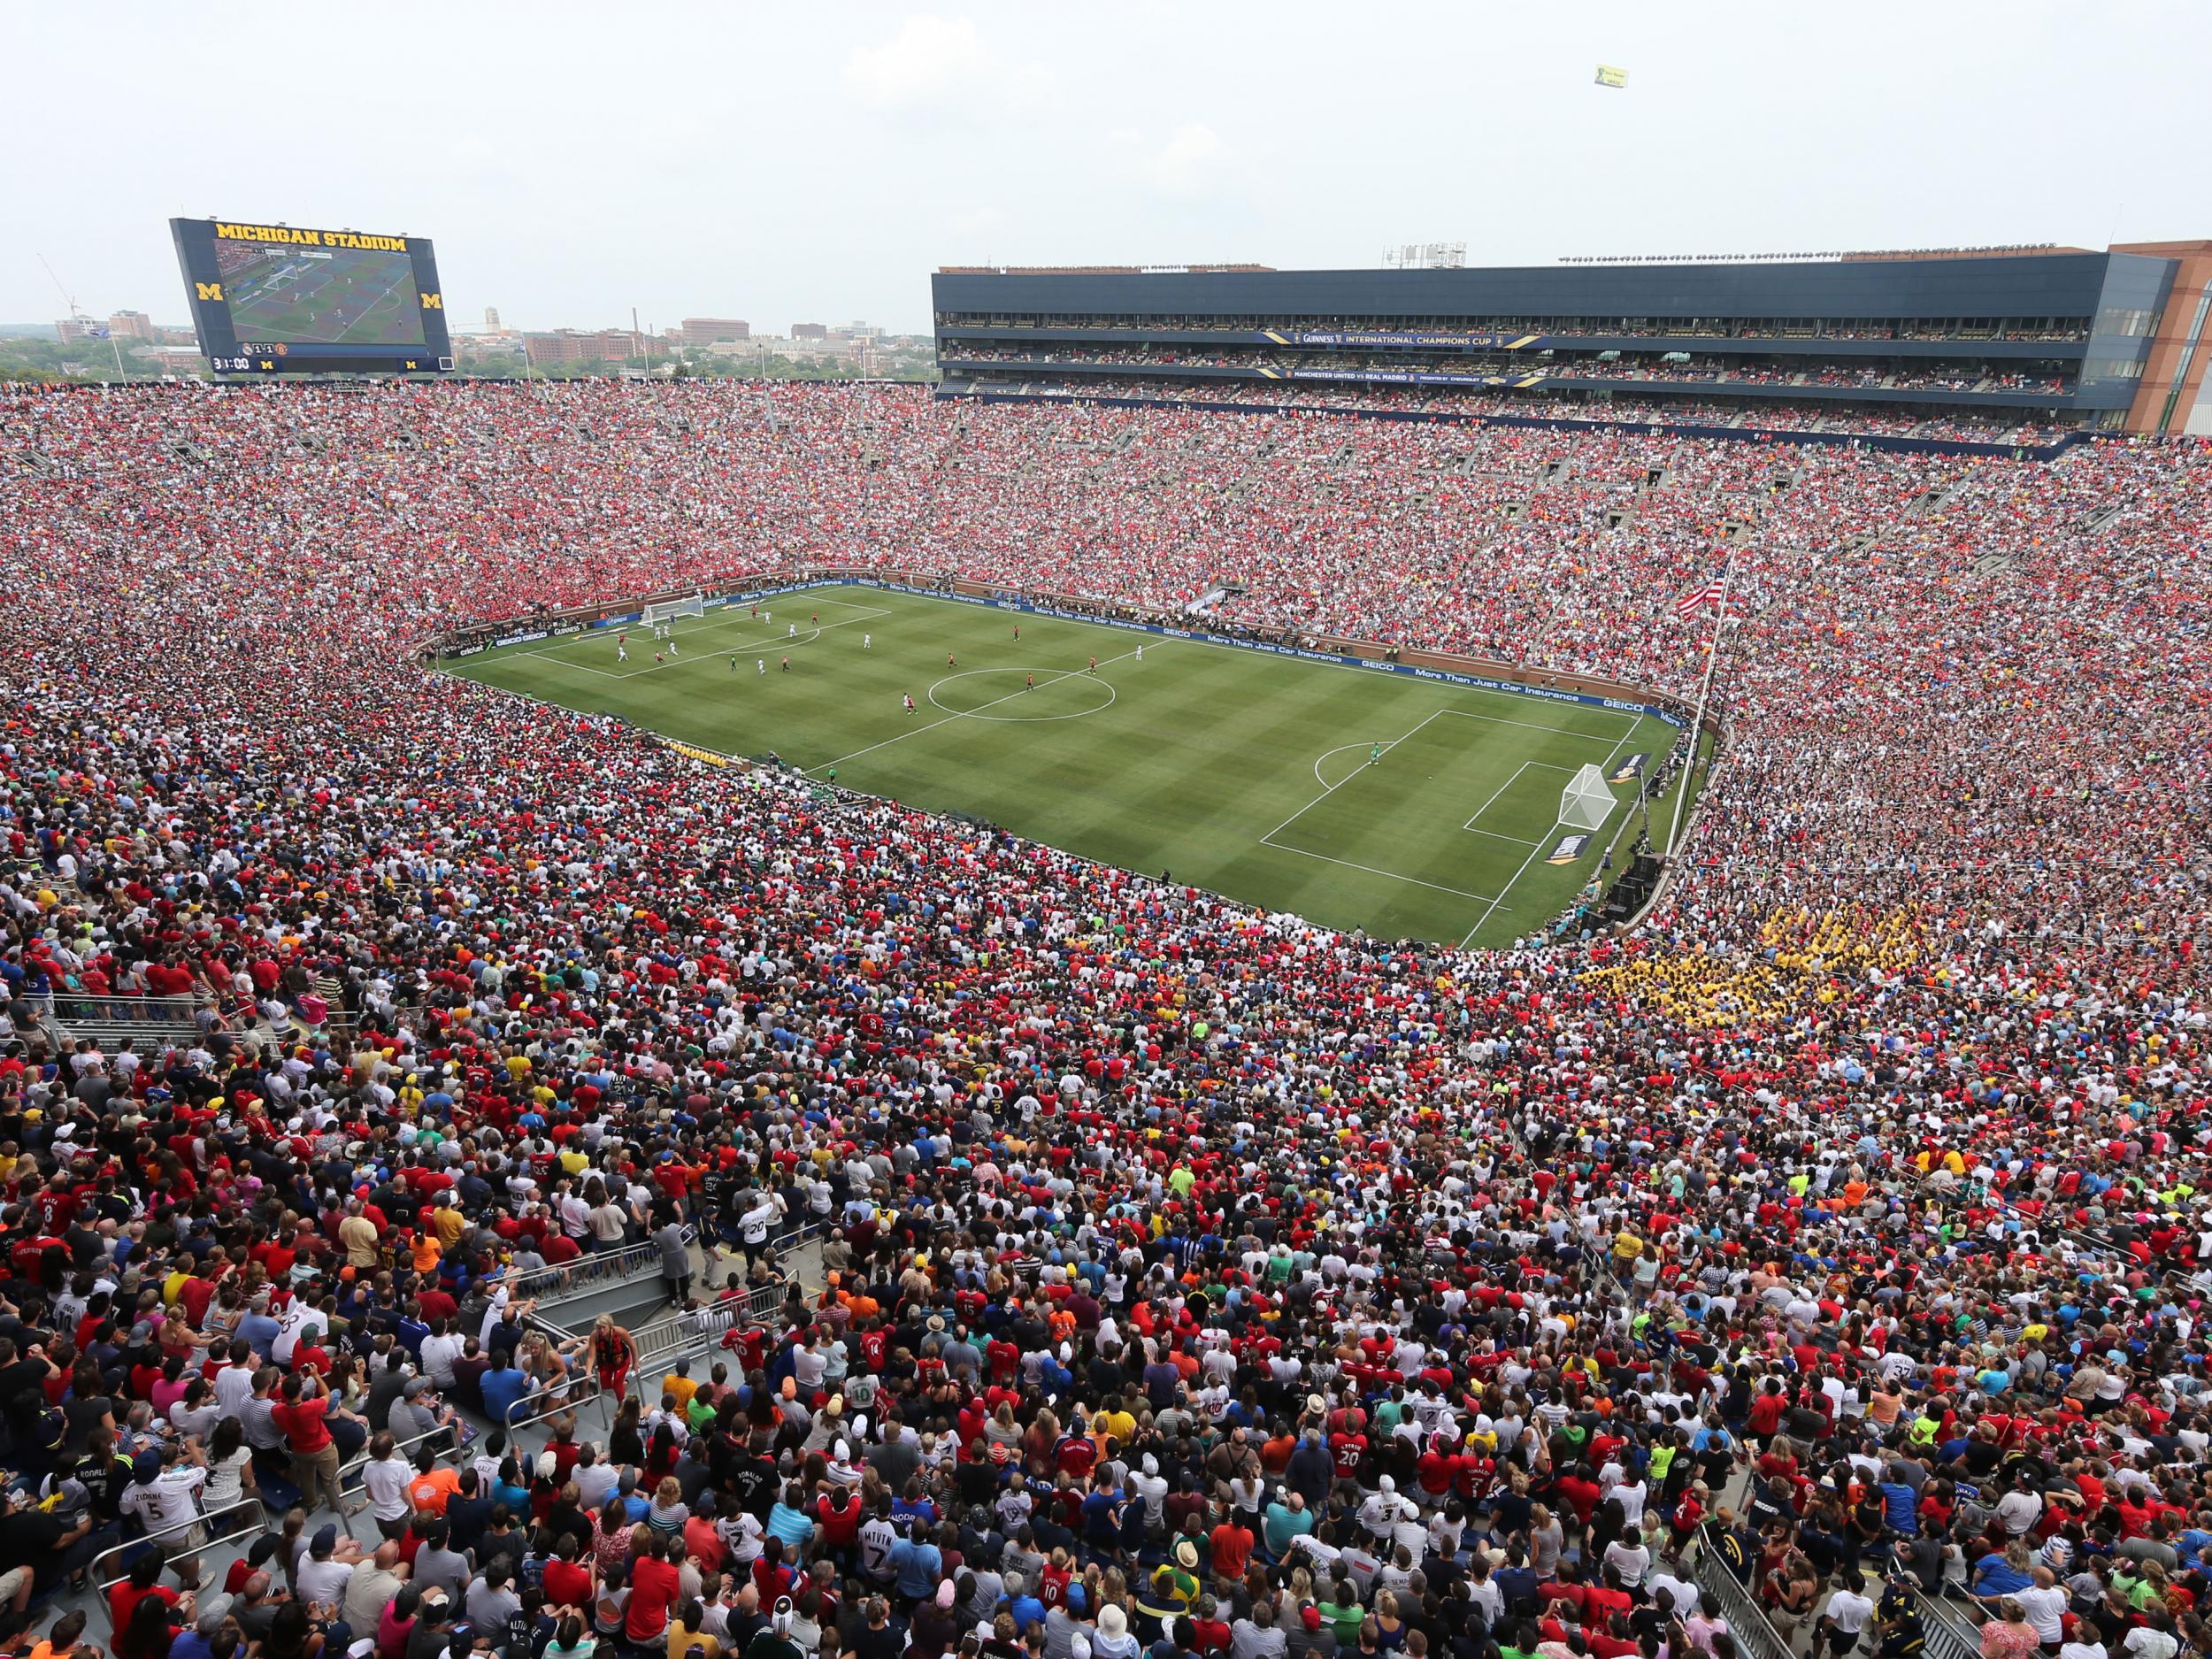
(1024, 1609)
(1994, 1575)
(504, 1388)
(1286, 1519)
(916, 1566)
(257, 1331)
(1901, 1507)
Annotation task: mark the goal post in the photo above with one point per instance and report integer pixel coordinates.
(671, 609)
(1585, 803)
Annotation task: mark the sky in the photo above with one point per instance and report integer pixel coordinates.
(815, 163)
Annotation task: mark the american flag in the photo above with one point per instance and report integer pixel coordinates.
(1690, 603)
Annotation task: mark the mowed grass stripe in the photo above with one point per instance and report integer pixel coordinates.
(1203, 751)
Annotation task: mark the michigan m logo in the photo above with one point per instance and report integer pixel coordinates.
(433, 301)
(208, 290)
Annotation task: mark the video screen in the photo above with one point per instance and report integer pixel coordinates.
(349, 296)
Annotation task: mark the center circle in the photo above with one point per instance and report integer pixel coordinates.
(1005, 694)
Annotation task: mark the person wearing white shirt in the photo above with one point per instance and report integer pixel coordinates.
(2045, 1604)
(439, 1349)
(233, 1386)
(385, 1478)
(1682, 1592)
(165, 1500)
(299, 1321)
(1630, 1559)
(1845, 1617)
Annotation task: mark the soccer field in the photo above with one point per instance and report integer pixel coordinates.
(1254, 775)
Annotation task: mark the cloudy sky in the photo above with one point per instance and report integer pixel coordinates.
(788, 163)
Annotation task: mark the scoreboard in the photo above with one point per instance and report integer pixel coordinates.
(277, 299)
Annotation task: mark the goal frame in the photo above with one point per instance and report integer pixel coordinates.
(1586, 802)
(673, 610)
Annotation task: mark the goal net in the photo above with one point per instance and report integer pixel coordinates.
(669, 609)
(1585, 803)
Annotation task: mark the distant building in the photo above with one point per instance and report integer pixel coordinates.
(133, 326)
(72, 328)
(572, 345)
(491, 316)
(707, 331)
(809, 331)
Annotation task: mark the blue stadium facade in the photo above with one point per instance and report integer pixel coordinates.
(2042, 339)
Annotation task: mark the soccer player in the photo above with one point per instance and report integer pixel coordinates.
(761, 663)
(787, 664)
(949, 663)
(1374, 756)
(660, 656)
(1031, 686)
(732, 662)
(1017, 633)
(621, 652)
(866, 640)
(1140, 653)
(817, 619)
(791, 631)
(910, 703)
(1094, 664)
(672, 644)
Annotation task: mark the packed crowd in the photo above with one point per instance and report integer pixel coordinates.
(1197, 1282)
(1688, 408)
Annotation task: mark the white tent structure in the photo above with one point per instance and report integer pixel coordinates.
(1585, 803)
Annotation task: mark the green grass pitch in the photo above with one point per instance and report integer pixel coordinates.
(1250, 774)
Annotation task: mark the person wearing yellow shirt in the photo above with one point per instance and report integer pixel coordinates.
(684, 1637)
(678, 1383)
(358, 1236)
(446, 1221)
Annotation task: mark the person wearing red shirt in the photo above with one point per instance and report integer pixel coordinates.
(568, 1580)
(1232, 1545)
(1765, 1417)
(654, 1587)
(304, 1418)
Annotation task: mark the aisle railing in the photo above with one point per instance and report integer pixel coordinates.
(135, 1547)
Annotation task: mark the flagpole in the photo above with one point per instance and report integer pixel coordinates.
(1697, 720)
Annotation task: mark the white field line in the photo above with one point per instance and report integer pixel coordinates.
(1539, 847)
(1501, 789)
(918, 730)
(1634, 720)
(1480, 898)
(1338, 784)
(806, 637)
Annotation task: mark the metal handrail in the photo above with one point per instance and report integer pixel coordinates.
(574, 1403)
(588, 1269)
(134, 1545)
(1747, 1621)
(184, 1011)
(760, 1304)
